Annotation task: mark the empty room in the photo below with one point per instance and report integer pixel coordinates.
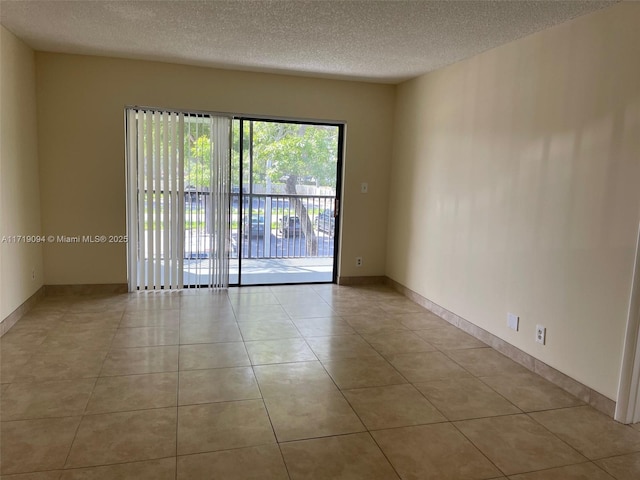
(320, 239)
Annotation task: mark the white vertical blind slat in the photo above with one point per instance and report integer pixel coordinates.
(132, 199)
(180, 216)
(142, 201)
(157, 205)
(166, 202)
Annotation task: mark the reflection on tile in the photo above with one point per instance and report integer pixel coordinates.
(342, 346)
(217, 385)
(124, 437)
(213, 355)
(261, 313)
(268, 330)
(590, 432)
(323, 326)
(44, 400)
(129, 361)
(261, 462)
(449, 338)
(32, 445)
(392, 406)
(348, 457)
(145, 337)
(484, 362)
(308, 310)
(209, 332)
(363, 372)
(531, 392)
(307, 415)
(279, 351)
(426, 366)
(134, 392)
(582, 471)
(163, 469)
(465, 398)
(537, 447)
(223, 426)
(397, 342)
(624, 467)
(427, 452)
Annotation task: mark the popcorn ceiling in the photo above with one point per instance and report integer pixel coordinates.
(379, 41)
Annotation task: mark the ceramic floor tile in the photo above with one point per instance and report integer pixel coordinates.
(263, 462)
(98, 320)
(392, 406)
(590, 432)
(363, 372)
(426, 366)
(322, 326)
(223, 426)
(583, 471)
(163, 469)
(206, 316)
(261, 313)
(433, 452)
(309, 415)
(11, 364)
(61, 366)
(213, 355)
(33, 445)
(401, 305)
(217, 385)
(134, 392)
(420, 320)
(538, 448)
(623, 467)
(531, 392)
(268, 330)
(153, 318)
(344, 457)
(49, 475)
(70, 340)
(397, 342)
(296, 297)
(45, 400)
(124, 437)
(289, 378)
(279, 351)
(209, 333)
(349, 307)
(465, 398)
(258, 298)
(373, 324)
(308, 310)
(484, 362)
(449, 338)
(339, 347)
(130, 361)
(145, 337)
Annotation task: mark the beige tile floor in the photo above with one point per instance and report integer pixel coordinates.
(283, 382)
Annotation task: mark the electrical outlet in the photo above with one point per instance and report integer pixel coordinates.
(364, 187)
(358, 261)
(541, 334)
(513, 321)
(33, 274)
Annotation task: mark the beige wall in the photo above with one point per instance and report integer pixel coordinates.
(19, 184)
(81, 104)
(516, 188)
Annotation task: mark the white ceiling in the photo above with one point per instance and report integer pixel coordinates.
(384, 41)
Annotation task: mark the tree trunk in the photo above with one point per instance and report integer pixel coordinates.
(305, 221)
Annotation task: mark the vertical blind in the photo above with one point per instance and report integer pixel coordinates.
(177, 199)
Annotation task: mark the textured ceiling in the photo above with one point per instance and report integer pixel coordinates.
(382, 41)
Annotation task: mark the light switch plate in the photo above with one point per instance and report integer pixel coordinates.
(513, 321)
(364, 187)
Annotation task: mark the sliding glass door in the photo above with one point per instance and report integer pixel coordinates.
(284, 201)
(178, 199)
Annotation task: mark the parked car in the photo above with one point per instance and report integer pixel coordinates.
(326, 222)
(255, 228)
(290, 226)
